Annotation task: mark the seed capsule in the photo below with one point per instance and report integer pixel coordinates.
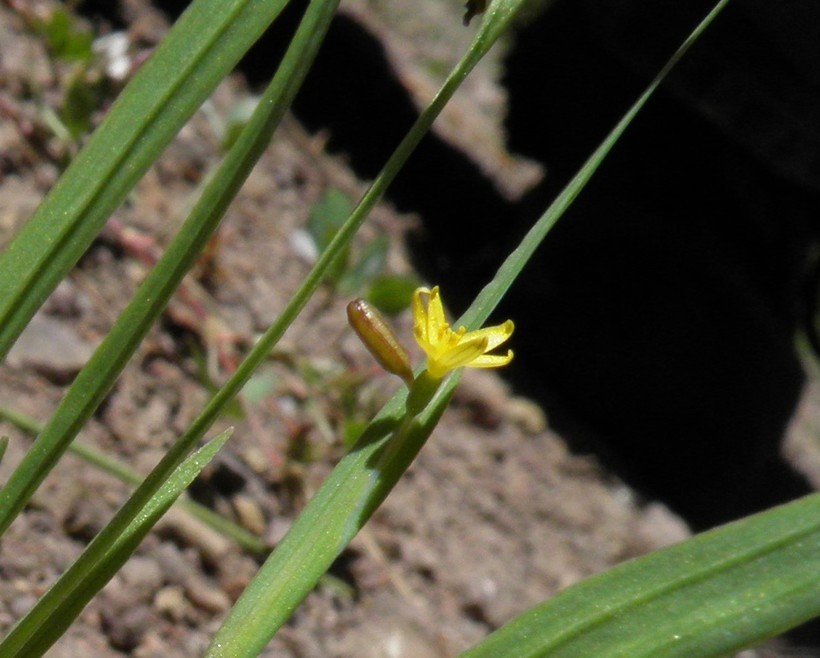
(379, 339)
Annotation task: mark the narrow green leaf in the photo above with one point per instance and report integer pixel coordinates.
(99, 374)
(204, 45)
(250, 144)
(712, 595)
(43, 625)
(125, 474)
(365, 476)
(358, 484)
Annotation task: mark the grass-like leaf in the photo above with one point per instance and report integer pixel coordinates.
(203, 47)
(127, 475)
(43, 625)
(365, 476)
(355, 489)
(712, 595)
(87, 391)
(99, 374)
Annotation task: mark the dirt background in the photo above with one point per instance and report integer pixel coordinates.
(494, 516)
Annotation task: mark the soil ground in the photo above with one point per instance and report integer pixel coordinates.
(494, 516)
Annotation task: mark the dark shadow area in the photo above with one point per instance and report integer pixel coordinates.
(664, 304)
(103, 11)
(656, 322)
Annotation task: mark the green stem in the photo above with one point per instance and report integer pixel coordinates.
(423, 389)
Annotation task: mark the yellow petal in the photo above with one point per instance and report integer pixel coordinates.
(491, 360)
(461, 354)
(436, 322)
(495, 335)
(420, 318)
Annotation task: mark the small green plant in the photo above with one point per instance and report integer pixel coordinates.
(65, 37)
(364, 273)
(88, 72)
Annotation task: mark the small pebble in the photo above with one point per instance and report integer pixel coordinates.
(50, 346)
(125, 629)
(250, 514)
(171, 602)
(20, 605)
(256, 460)
(142, 577)
(211, 544)
(204, 595)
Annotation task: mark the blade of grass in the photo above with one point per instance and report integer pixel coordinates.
(85, 393)
(21, 642)
(205, 44)
(365, 476)
(125, 474)
(99, 374)
(712, 595)
(310, 31)
(774, 586)
(358, 484)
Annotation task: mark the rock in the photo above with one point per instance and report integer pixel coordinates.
(171, 602)
(250, 514)
(51, 347)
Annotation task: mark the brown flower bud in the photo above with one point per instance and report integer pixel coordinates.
(379, 339)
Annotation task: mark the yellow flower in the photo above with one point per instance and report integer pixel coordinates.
(447, 349)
